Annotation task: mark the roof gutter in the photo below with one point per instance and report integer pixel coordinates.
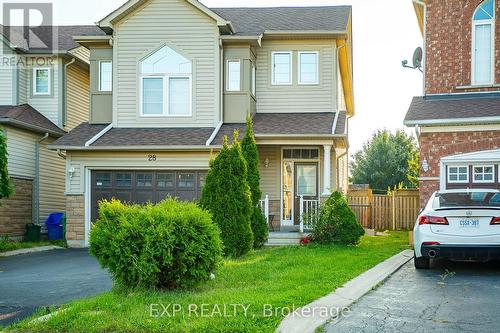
(452, 121)
(20, 124)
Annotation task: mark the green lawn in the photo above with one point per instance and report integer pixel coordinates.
(281, 277)
(8, 245)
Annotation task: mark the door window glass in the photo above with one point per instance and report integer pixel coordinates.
(307, 180)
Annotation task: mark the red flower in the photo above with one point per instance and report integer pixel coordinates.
(306, 240)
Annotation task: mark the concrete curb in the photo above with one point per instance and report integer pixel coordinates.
(317, 313)
(30, 250)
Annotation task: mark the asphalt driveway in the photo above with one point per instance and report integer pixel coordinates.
(31, 281)
(451, 297)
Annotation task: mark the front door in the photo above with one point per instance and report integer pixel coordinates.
(305, 185)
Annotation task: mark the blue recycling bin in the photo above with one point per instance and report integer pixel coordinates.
(54, 225)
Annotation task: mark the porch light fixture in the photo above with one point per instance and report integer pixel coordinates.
(425, 165)
(266, 163)
(71, 171)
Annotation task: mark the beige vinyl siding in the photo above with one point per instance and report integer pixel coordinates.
(23, 85)
(21, 149)
(77, 96)
(48, 105)
(270, 177)
(130, 160)
(295, 97)
(52, 173)
(181, 26)
(6, 80)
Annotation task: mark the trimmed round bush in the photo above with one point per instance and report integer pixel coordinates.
(168, 245)
(337, 222)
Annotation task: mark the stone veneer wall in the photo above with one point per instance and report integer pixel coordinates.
(75, 220)
(16, 211)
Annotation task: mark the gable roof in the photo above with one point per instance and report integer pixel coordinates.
(43, 35)
(132, 5)
(454, 109)
(256, 21)
(25, 116)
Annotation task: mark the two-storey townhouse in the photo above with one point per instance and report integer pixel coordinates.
(44, 92)
(457, 121)
(172, 77)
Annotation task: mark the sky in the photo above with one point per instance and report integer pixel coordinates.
(385, 32)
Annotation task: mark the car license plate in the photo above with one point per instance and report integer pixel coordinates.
(469, 223)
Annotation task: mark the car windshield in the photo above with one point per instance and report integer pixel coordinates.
(466, 199)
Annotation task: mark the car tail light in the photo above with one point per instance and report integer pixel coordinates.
(431, 243)
(424, 219)
(495, 221)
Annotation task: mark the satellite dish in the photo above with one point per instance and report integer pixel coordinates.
(417, 58)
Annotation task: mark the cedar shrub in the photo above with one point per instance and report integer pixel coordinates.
(6, 188)
(226, 195)
(251, 155)
(168, 245)
(337, 222)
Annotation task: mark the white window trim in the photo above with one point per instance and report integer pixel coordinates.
(458, 181)
(34, 81)
(491, 22)
(317, 68)
(483, 166)
(99, 83)
(253, 76)
(227, 74)
(166, 105)
(272, 68)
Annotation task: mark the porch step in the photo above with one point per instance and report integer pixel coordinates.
(285, 238)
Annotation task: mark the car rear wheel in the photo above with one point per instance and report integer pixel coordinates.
(422, 263)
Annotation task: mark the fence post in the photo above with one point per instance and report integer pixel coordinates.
(370, 208)
(394, 210)
(301, 213)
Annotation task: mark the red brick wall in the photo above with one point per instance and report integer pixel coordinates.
(448, 49)
(433, 146)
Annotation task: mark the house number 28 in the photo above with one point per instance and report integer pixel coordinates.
(152, 157)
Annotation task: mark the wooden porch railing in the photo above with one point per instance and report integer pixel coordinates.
(264, 206)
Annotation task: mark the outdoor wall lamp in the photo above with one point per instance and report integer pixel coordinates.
(425, 165)
(266, 163)
(71, 171)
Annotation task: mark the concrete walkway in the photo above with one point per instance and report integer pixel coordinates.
(313, 315)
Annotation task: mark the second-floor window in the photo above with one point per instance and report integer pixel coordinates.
(105, 75)
(483, 23)
(308, 68)
(282, 68)
(233, 75)
(166, 84)
(41, 81)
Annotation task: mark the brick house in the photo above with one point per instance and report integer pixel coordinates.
(457, 121)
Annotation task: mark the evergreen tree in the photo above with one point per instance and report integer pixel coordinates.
(6, 188)
(251, 155)
(227, 196)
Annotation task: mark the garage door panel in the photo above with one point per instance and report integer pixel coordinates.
(143, 186)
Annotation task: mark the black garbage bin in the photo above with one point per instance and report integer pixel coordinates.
(32, 232)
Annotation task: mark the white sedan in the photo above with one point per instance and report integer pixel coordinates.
(458, 225)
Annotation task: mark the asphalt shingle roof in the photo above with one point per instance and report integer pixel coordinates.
(25, 116)
(42, 36)
(453, 107)
(254, 21)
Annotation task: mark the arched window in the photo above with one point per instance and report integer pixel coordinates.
(166, 84)
(483, 31)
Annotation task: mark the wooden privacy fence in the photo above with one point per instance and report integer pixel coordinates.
(397, 211)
